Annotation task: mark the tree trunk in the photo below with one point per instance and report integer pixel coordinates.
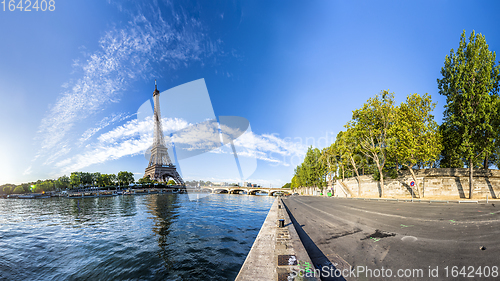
(381, 181)
(342, 173)
(357, 175)
(485, 164)
(471, 166)
(415, 180)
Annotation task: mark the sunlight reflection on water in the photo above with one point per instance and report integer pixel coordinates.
(153, 237)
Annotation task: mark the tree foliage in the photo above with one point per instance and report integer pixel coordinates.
(371, 127)
(125, 178)
(469, 81)
(18, 190)
(311, 172)
(415, 137)
(47, 185)
(287, 185)
(380, 139)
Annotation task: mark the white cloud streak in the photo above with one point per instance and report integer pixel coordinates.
(136, 136)
(125, 54)
(132, 138)
(106, 121)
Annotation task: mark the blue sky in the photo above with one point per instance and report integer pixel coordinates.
(73, 80)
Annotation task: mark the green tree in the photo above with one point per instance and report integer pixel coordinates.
(75, 179)
(144, 181)
(349, 148)
(371, 125)
(329, 162)
(338, 157)
(26, 187)
(415, 134)
(113, 179)
(450, 157)
(63, 182)
(294, 183)
(312, 172)
(469, 81)
(86, 178)
(18, 190)
(106, 181)
(287, 185)
(97, 179)
(8, 188)
(171, 182)
(47, 185)
(125, 178)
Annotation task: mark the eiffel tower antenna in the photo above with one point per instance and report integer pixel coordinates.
(160, 166)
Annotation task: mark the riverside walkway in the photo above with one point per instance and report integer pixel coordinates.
(277, 253)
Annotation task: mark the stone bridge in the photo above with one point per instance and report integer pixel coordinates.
(247, 190)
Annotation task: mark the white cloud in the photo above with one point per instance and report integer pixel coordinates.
(106, 121)
(136, 136)
(125, 54)
(28, 171)
(132, 138)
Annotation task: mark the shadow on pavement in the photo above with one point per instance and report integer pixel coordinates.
(317, 257)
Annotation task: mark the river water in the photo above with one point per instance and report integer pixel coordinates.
(142, 237)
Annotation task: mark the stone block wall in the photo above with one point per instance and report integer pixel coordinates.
(448, 182)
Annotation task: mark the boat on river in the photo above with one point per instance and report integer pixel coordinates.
(74, 195)
(79, 195)
(107, 194)
(90, 195)
(26, 196)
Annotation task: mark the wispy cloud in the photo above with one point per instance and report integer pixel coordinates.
(125, 54)
(136, 136)
(106, 121)
(132, 138)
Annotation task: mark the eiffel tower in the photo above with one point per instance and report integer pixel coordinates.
(160, 166)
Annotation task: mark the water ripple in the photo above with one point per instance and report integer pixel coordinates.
(149, 237)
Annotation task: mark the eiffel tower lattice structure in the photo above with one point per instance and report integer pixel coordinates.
(160, 166)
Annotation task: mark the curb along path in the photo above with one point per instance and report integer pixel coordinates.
(277, 253)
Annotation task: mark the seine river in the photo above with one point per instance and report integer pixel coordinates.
(146, 237)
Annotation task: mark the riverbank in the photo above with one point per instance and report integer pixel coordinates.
(93, 192)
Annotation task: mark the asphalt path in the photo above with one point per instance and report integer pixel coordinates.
(397, 240)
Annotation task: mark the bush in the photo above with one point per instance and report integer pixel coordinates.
(18, 190)
(8, 189)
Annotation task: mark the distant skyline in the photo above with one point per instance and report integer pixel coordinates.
(72, 81)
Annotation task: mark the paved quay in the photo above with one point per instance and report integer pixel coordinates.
(418, 241)
(277, 253)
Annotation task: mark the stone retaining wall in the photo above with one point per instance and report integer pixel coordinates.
(442, 182)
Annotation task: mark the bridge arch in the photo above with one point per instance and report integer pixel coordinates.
(220, 190)
(237, 190)
(279, 191)
(254, 191)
